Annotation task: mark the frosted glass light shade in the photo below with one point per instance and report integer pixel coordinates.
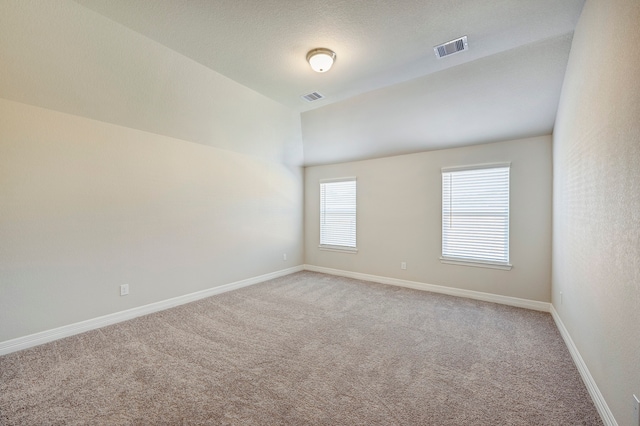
(321, 59)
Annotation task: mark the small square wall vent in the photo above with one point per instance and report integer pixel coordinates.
(311, 97)
(451, 47)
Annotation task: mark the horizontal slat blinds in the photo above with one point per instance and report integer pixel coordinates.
(338, 213)
(475, 215)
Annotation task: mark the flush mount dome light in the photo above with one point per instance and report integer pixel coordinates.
(321, 59)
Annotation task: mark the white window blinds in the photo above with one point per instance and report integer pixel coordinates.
(338, 213)
(475, 215)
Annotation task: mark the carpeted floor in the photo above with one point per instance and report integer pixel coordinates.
(305, 349)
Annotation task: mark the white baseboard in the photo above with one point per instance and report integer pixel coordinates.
(470, 294)
(31, 340)
(587, 378)
(36, 339)
(592, 387)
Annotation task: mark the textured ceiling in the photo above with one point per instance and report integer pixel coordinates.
(167, 66)
(510, 95)
(263, 44)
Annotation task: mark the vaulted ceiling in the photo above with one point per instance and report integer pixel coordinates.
(387, 92)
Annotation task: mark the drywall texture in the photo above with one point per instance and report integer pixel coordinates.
(62, 56)
(86, 206)
(596, 209)
(399, 202)
(510, 95)
(263, 44)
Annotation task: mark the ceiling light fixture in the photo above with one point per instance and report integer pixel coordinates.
(321, 59)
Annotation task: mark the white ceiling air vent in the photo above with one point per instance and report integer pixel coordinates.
(313, 96)
(451, 47)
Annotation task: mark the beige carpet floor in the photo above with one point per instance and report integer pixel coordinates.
(305, 349)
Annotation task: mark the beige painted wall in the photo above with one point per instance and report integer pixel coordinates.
(86, 206)
(399, 218)
(596, 213)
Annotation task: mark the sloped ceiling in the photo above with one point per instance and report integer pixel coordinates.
(386, 75)
(506, 96)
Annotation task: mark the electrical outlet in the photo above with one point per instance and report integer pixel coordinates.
(124, 289)
(636, 410)
(284, 256)
(403, 265)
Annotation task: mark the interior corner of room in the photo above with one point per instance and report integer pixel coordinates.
(139, 171)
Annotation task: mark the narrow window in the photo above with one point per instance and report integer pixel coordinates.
(475, 216)
(338, 214)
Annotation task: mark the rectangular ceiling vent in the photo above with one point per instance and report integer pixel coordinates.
(451, 47)
(311, 97)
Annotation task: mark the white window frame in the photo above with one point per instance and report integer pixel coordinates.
(466, 249)
(330, 236)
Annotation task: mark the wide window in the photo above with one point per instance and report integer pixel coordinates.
(475, 216)
(338, 214)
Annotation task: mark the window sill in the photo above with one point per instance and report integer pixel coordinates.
(351, 250)
(476, 263)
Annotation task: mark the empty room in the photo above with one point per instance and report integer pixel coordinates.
(341, 212)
